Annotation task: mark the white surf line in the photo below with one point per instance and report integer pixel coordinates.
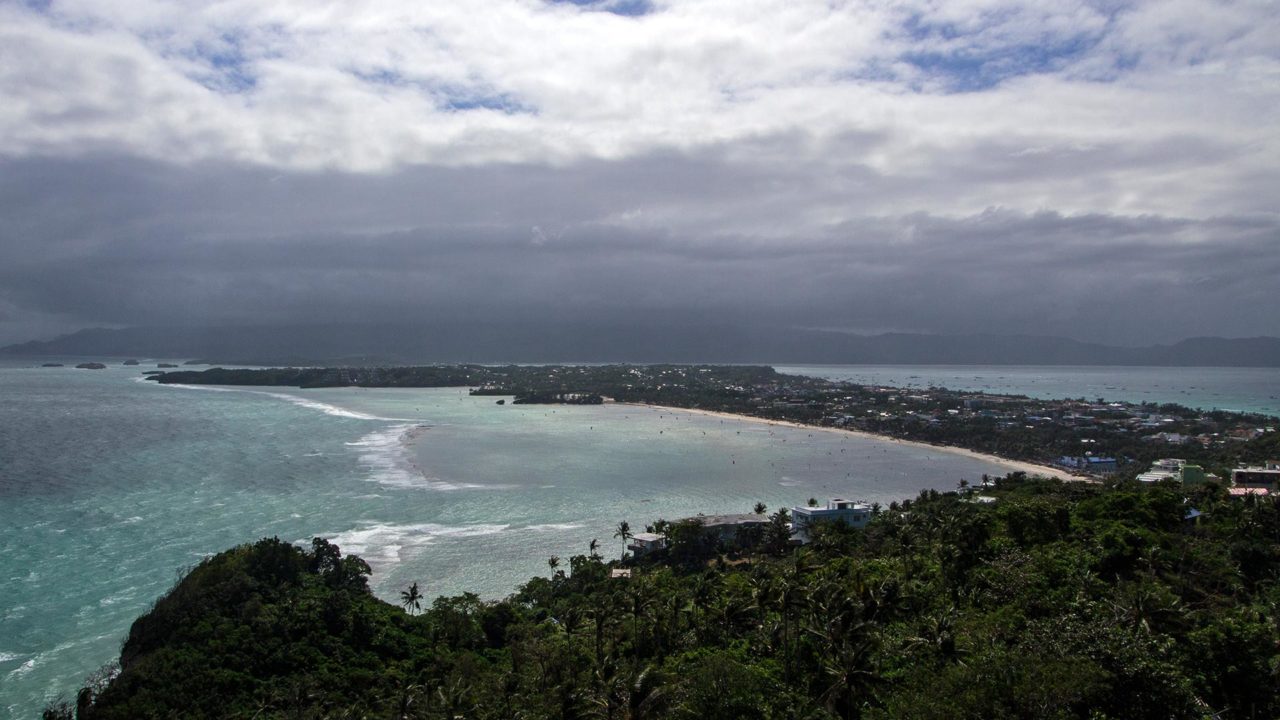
(326, 408)
(386, 455)
(388, 543)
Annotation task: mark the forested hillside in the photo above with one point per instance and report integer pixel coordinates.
(1053, 601)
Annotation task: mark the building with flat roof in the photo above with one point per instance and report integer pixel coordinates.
(851, 513)
(1164, 469)
(1266, 476)
(1092, 464)
(646, 542)
(735, 528)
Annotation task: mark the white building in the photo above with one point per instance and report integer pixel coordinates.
(849, 512)
(1163, 469)
(646, 542)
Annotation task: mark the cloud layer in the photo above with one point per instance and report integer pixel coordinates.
(1102, 170)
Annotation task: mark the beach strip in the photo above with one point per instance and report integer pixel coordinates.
(1013, 465)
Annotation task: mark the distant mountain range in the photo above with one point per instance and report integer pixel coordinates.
(374, 344)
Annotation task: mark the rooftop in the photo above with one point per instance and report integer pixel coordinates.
(1242, 491)
(731, 519)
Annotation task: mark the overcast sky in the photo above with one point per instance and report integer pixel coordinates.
(1102, 170)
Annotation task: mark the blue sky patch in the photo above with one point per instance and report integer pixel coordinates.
(972, 67)
(232, 70)
(628, 8)
(504, 102)
(454, 98)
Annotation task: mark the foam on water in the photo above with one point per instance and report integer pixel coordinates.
(326, 408)
(22, 669)
(555, 527)
(383, 544)
(384, 453)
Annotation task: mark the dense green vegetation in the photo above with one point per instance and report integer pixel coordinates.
(709, 386)
(1055, 601)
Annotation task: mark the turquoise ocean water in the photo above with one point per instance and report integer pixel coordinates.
(1237, 389)
(110, 487)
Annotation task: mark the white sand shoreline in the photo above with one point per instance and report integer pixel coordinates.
(1013, 465)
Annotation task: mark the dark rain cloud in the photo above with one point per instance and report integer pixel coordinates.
(112, 240)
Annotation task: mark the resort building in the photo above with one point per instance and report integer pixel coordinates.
(1176, 469)
(646, 542)
(1266, 476)
(1092, 464)
(1163, 469)
(732, 529)
(849, 512)
(1195, 475)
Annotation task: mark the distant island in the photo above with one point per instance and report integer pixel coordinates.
(550, 342)
(1020, 599)
(91, 366)
(1082, 436)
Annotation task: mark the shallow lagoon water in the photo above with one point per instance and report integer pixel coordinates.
(110, 487)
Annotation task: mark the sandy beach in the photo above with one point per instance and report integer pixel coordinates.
(1013, 465)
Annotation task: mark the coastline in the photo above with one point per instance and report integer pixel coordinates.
(1015, 465)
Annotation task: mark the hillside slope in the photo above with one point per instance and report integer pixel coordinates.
(1056, 601)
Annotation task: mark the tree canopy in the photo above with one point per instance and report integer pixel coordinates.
(1055, 601)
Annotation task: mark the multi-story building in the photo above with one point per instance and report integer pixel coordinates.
(849, 512)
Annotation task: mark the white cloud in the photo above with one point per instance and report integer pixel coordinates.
(767, 125)
(369, 87)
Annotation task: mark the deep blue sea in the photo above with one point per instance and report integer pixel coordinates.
(111, 486)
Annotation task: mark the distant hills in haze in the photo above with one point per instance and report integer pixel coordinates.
(370, 344)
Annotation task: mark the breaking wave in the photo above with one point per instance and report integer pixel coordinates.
(389, 462)
(325, 408)
(382, 544)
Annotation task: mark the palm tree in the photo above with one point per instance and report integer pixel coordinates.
(624, 532)
(594, 547)
(411, 599)
(850, 668)
(760, 508)
(640, 602)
